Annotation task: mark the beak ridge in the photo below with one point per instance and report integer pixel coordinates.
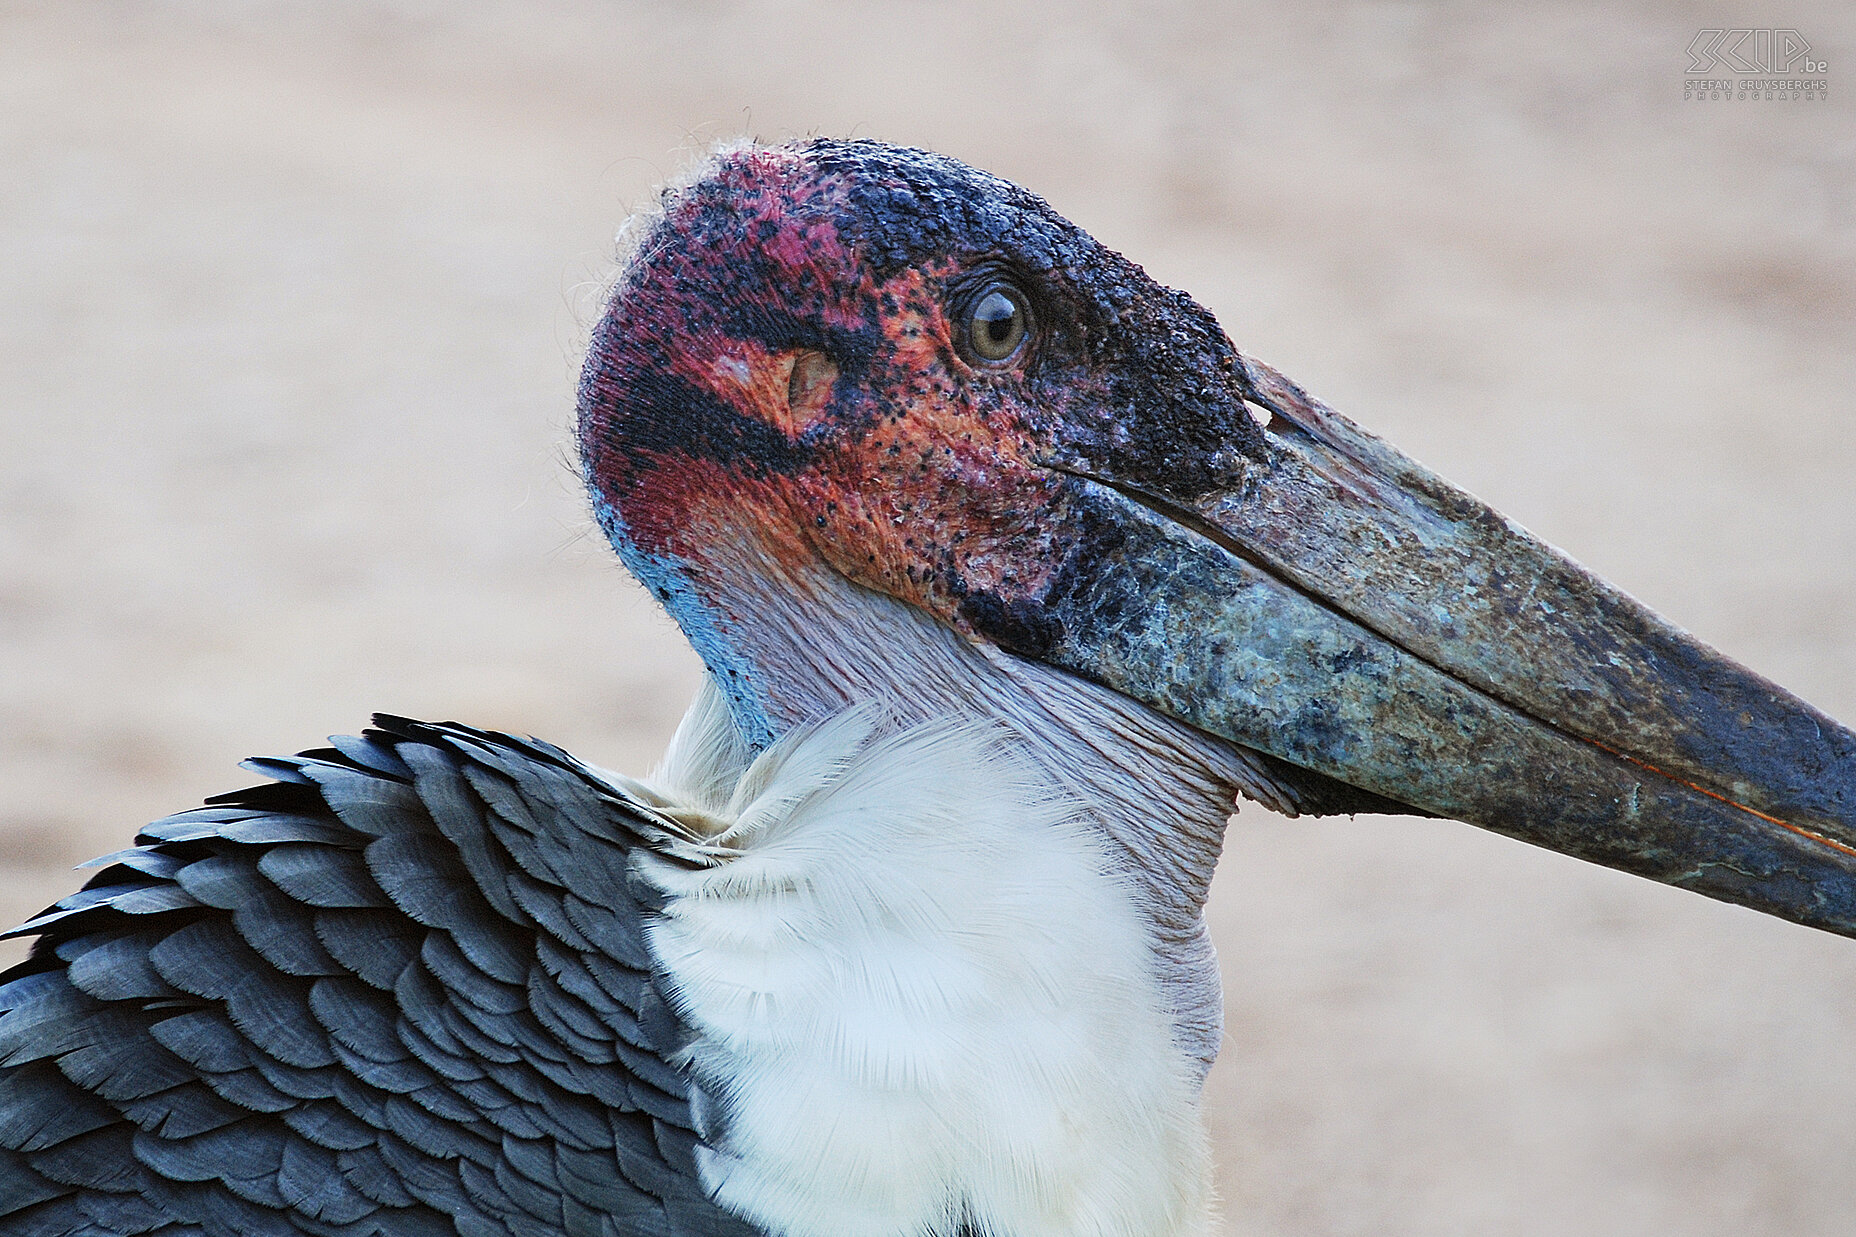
(1340, 607)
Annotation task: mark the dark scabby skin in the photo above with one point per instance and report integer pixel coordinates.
(917, 472)
(1149, 387)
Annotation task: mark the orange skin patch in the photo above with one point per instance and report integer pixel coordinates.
(929, 499)
(944, 498)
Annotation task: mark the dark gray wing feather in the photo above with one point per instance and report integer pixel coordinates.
(401, 988)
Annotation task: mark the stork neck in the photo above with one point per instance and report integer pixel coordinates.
(787, 648)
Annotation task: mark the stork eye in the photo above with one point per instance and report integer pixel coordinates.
(997, 323)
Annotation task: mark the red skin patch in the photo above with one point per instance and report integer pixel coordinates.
(916, 477)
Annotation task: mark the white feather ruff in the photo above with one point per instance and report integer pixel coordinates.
(918, 989)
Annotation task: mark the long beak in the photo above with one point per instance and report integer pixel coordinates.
(1344, 609)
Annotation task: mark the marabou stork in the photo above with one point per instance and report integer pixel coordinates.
(1009, 573)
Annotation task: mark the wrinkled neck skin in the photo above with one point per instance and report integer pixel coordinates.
(792, 645)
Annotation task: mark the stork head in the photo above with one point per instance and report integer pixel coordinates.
(874, 360)
(839, 369)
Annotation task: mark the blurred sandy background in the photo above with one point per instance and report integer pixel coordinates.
(291, 304)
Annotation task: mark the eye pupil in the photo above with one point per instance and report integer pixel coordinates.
(999, 324)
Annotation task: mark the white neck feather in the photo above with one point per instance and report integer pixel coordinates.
(922, 986)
